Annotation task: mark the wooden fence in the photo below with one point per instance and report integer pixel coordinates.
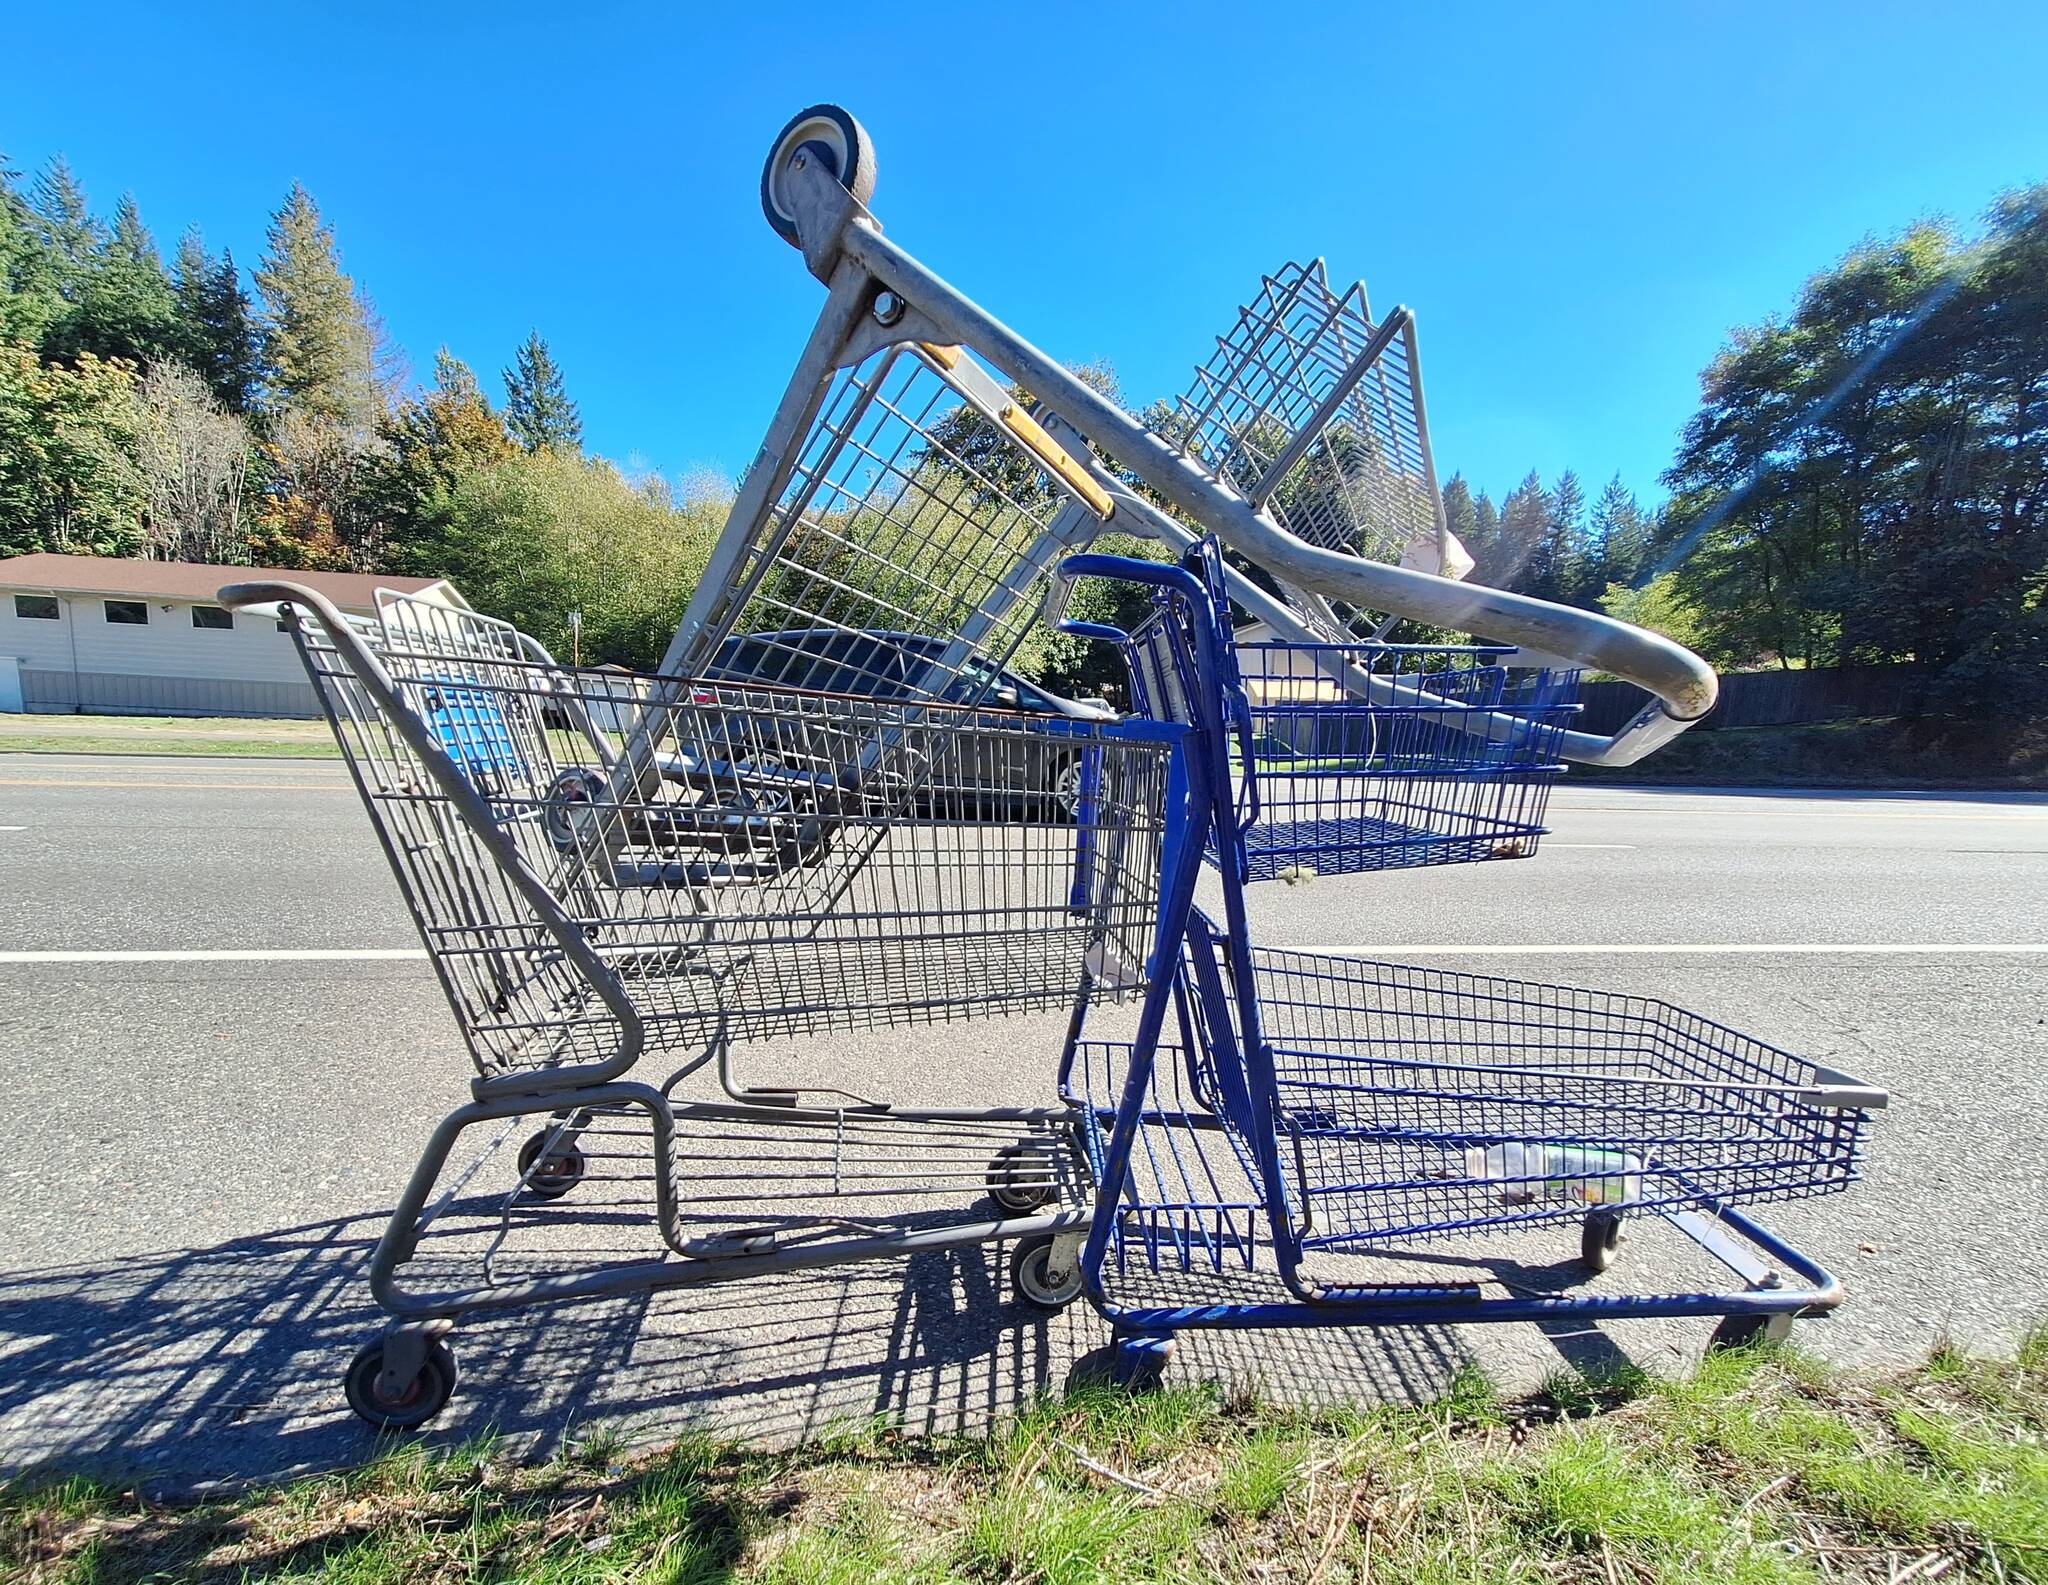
(1775, 698)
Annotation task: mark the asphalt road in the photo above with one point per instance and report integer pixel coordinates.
(223, 1055)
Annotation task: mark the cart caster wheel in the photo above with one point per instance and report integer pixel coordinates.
(1748, 1331)
(1141, 1363)
(1031, 1278)
(573, 787)
(1020, 1180)
(558, 1174)
(426, 1397)
(845, 144)
(1600, 1240)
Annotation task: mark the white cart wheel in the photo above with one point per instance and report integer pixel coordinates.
(1031, 1275)
(843, 139)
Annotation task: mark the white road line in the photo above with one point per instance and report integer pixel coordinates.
(1690, 949)
(227, 955)
(13, 828)
(1613, 847)
(1434, 949)
(192, 786)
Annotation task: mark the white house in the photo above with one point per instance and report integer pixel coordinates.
(101, 634)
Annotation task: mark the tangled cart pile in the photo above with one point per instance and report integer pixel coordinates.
(818, 815)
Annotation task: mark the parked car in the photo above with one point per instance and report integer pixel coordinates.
(978, 769)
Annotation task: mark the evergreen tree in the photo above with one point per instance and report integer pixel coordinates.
(1524, 524)
(65, 222)
(28, 288)
(123, 306)
(1484, 544)
(1558, 570)
(1460, 515)
(315, 340)
(538, 411)
(217, 332)
(429, 445)
(1619, 534)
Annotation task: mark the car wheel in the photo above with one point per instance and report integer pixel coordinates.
(1066, 789)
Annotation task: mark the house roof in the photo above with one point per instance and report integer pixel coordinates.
(189, 580)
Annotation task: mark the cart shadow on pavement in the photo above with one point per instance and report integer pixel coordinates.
(223, 1364)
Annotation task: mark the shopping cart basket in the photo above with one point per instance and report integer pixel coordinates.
(1360, 756)
(927, 468)
(1280, 1113)
(577, 934)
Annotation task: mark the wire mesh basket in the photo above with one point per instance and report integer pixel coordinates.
(1310, 408)
(1368, 1104)
(803, 861)
(1356, 757)
(1415, 1102)
(904, 556)
(1388, 757)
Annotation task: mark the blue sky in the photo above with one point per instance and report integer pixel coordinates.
(1578, 201)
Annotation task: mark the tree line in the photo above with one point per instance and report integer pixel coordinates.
(186, 412)
(1866, 479)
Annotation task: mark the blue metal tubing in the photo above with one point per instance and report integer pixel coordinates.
(1192, 802)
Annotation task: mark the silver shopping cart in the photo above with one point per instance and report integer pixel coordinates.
(781, 878)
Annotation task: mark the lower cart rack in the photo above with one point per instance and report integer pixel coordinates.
(1248, 1199)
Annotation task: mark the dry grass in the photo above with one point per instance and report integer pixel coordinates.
(1759, 1468)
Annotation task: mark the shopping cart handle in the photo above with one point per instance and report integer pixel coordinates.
(1097, 630)
(1837, 1091)
(1164, 575)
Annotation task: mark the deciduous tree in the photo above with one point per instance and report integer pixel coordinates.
(191, 459)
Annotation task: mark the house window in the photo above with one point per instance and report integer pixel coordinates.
(131, 612)
(36, 607)
(216, 616)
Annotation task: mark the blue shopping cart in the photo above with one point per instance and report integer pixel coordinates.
(1283, 1122)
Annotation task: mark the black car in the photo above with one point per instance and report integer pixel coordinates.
(981, 768)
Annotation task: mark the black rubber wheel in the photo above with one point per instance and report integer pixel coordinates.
(426, 1397)
(558, 1174)
(842, 141)
(1031, 1277)
(1600, 1240)
(1748, 1331)
(1020, 1180)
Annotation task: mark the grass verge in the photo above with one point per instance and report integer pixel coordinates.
(153, 734)
(1761, 1468)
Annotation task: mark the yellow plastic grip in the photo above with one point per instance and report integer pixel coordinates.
(1032, 436)
(1054, 456)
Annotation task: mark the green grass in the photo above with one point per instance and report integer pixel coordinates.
(151, 734)
(1759, 1469)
